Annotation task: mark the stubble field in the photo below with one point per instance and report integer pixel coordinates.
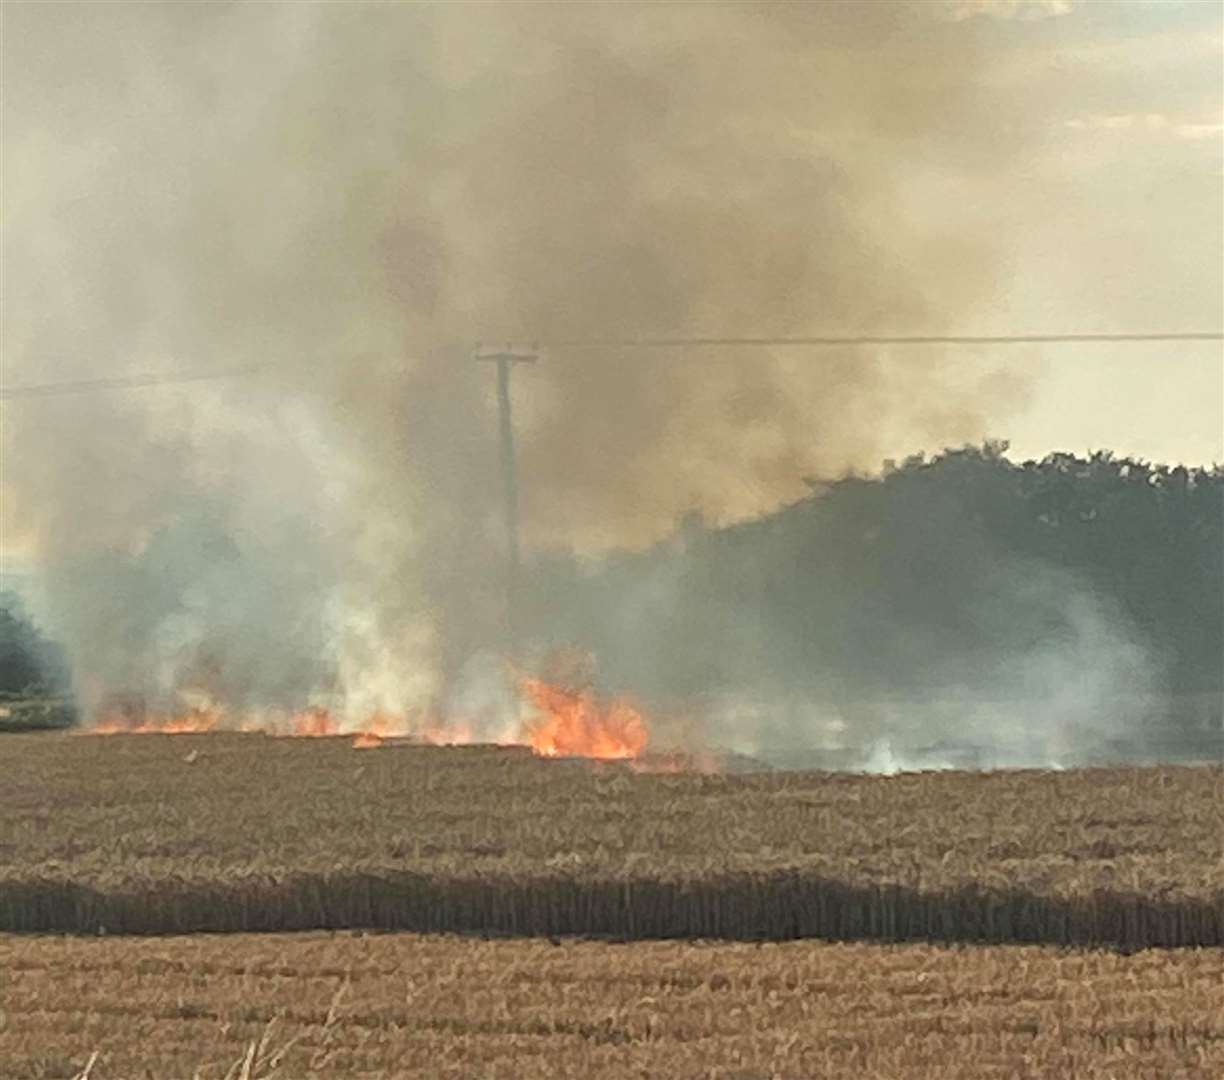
(403, 1006)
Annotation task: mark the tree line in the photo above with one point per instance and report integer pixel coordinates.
(955, 571)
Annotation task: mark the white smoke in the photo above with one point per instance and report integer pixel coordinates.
(1083, 689)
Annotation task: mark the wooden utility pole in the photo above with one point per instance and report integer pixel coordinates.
(505, 359)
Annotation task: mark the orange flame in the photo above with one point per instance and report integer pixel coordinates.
(125, 722)
(572, 723)
(567, 722)
(316, 722)
(313, 723)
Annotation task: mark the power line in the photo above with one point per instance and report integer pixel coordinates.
(151, 379)
(859, 340)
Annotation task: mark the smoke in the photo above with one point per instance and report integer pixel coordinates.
(1042, 670)
(952, 612)
(1076, 686)
(352, 195)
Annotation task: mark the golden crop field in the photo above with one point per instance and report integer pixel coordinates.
(179, 834)
(400, 1005)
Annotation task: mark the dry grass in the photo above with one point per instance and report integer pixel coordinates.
(187, 833)
(290, 1007)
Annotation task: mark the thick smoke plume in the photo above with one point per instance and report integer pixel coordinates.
(352, 195)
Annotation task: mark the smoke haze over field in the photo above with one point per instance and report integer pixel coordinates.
(353, 194)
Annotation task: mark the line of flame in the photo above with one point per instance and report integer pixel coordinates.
(563, 723)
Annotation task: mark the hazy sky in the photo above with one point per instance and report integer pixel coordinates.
(1115, 222)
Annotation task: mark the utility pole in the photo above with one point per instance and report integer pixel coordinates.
(505, 359)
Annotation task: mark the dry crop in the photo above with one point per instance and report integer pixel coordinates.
(406, 1006)
(177, 834)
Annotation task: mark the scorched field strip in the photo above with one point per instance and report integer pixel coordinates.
(164, 834)
(382, 1006)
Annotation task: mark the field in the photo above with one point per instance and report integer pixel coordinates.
(382, 1006)
(181, 834)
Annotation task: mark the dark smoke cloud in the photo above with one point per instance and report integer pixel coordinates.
(354, 194)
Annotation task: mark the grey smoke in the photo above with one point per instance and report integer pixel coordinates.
(1060, 676)
(352, 194)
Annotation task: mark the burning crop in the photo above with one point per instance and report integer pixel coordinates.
(128, 719)
(554, 719)
(376, 729)
(575, 723)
